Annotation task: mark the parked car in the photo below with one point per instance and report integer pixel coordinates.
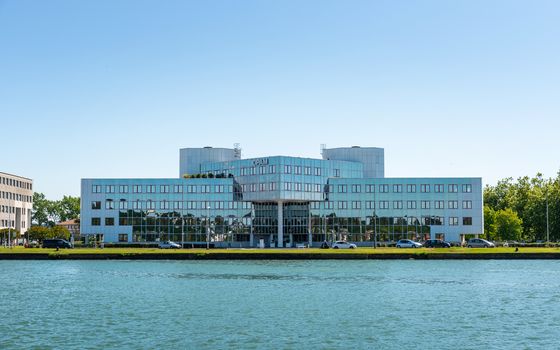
(437, 243)
(169, 245)
(56, 243)
(343, 245)
(407, 243)
(480, 243)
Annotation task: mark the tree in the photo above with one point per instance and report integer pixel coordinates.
(69, 208)
(508, 225)
(59, 232)
(38, 233)
(489, 222)
(40, 215)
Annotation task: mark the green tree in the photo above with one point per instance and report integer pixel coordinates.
(69, 208)
(489, 222)
(40, 214)
(38, 233)
(508, 225)
(59, 232)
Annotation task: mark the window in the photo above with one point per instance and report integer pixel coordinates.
(219, 188)
(272, 186)
(397, 188)
(329, 205)
(287, 169)
(453, 221)
(356, 205)
(123, 189)
(317, 188)
(383, 188)
(136, 205)
(411, 188)
(297, 169)
(356, 188)
(467, 188)
(151, 205)
(110, 189)
(123, 237)
(467, 221)
(453, 204)
(370, 188)
(383, 204)
(307, 187)
(191, 205)
(151, 188)
(336, 172)
(191, 189)
(96, 205)
(109, 204)
(297, 186)
(109, 221)
(342, 189)
(205, 188)
(262, 187)
(425, 188)
(164, 188)
(425, 204)
(467, 204)
(272, 169)
(287, 186)
(307, 170)
(123, 204)
(178, 189)
(342, 205)
(317, 171)
(137, 189)
(438, 188)
(95, 221)
(262, 170)
(177, 205)
(96, 189)
(315, 205)
(439, 204)
(411, 205)
(453, 188)
(370, 205)
(164, 205)
(397, 204)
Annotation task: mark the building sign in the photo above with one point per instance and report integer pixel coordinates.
(261, 161)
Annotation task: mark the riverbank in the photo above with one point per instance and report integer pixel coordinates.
(19, 253)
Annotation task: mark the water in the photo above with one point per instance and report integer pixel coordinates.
(279, 304)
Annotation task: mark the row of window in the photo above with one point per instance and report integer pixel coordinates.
(175, 205)
(467, 204)
(287, 186)
(271, 169)
(16, 197)
(16, 183)
(398, 188)
(167, 205)
(162, 188)
(425, 220)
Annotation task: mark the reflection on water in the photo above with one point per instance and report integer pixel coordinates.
(279, 304)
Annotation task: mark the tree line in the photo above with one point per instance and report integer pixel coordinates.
(516, 210)
(49, 212)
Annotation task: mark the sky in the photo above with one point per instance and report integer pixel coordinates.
(114, 88)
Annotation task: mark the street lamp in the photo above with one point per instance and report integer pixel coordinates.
(547, 226)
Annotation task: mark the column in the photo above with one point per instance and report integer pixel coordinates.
(280, 225)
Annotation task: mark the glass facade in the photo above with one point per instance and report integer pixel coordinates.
(282, 201)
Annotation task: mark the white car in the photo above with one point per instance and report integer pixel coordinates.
(169, 245)
(407, 243)
(343, 245)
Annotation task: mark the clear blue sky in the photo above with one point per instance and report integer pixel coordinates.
(113, 88)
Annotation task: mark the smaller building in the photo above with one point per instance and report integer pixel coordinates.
(16, 202)
(73, 226)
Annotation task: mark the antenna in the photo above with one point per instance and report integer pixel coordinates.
(237, 150)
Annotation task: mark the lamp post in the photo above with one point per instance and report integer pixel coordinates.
(547, 226)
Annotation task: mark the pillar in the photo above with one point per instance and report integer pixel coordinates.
(280, 225)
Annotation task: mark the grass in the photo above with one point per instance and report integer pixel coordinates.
(133, 251)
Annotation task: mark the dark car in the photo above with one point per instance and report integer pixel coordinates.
(436, 243)
(56, 243)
